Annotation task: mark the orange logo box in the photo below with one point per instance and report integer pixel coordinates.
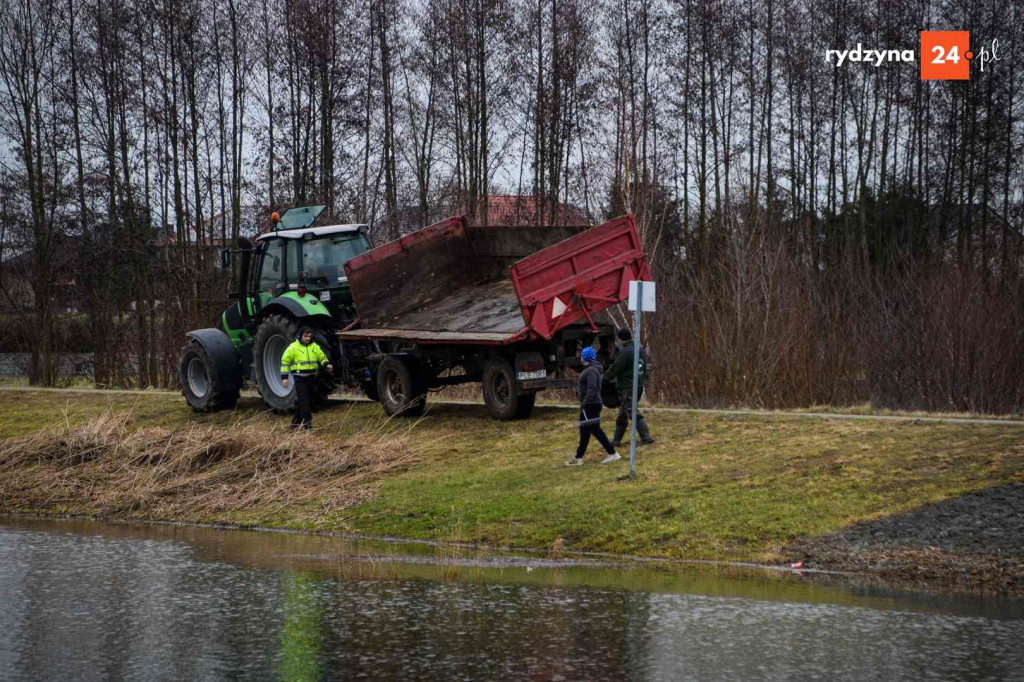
(946, 55)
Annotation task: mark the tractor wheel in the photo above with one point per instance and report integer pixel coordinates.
(502, 395)
(401, 386)
(274, 335)
(199, 382)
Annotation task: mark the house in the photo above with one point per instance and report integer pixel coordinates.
(17, 294)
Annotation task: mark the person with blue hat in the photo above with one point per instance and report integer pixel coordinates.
(589, 392)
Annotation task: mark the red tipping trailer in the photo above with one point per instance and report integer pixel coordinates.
(508, 306)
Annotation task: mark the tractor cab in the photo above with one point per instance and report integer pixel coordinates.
(302, 262)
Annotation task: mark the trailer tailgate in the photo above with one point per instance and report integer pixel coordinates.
(579, 277)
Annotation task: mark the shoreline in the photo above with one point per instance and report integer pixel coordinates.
(937, 577)
(585, 558)
(932, 506)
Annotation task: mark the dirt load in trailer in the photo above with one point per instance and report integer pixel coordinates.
(506, 306)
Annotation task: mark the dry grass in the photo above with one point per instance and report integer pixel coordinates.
(109, 466)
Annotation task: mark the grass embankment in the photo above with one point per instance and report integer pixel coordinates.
(712, 487)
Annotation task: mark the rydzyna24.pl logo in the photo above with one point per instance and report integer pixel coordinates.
(945, 55)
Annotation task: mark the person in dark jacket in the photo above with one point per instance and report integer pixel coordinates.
(621, 372)
(589, 392)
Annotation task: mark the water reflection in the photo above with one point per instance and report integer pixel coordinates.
(88, 601)
(301, 638)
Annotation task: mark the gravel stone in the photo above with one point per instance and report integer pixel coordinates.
(974, 542)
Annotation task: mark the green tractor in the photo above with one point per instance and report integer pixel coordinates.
(290, 277)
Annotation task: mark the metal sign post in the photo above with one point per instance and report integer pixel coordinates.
(641, 299)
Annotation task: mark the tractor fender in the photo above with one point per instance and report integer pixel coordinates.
(290, 304)
(222, 353)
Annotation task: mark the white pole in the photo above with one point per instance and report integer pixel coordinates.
(636, 370)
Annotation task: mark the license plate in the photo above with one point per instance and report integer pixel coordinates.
(325, 295)
(539, 374)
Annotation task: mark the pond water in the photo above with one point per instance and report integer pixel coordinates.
(82, 600)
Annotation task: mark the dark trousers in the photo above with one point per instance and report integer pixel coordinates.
(591, 426)
(625, 411)
(304, 386)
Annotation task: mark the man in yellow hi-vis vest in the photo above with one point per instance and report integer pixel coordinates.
(302, 360)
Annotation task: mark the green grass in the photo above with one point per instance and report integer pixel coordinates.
(712, 487)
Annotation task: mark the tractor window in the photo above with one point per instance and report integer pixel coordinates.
(272, 266)
(293, 263)
(300, 216)
(323, 260)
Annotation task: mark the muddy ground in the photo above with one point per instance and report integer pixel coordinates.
(973, 543)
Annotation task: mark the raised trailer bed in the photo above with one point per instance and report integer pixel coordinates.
(507, 306)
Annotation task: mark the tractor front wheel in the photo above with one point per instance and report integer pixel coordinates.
(273, 337)
(199, 381)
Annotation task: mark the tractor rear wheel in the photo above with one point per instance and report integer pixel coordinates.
(199, 381)
(401, 386)
(274, 335)
(502, 395)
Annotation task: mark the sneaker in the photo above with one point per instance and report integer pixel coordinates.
(611, 458)
(646, 441)
(616, 443)
(574, 462)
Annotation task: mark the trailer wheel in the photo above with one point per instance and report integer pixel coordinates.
(275, 334)
(401, 386)
(502, 395)
(199, 382)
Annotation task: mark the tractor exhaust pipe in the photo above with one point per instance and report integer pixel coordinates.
(245, 246)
